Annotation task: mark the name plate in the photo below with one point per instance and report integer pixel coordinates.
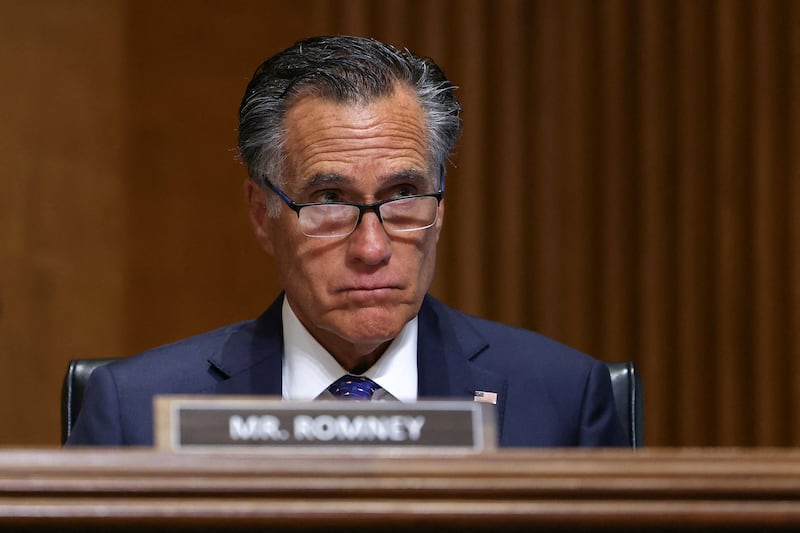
(252, 423)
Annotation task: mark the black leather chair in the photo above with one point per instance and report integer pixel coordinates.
(627, 387)
(78, 372)
(624, 379)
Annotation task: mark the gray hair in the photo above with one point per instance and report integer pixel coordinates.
(342, 69)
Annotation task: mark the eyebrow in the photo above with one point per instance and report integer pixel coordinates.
(326, 178)
(333, 178)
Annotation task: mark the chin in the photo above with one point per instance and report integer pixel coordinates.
(375, 325)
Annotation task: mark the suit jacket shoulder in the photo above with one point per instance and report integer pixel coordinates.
(548, 394)
(242, 358)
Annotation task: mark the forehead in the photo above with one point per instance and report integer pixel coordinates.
(385, 135)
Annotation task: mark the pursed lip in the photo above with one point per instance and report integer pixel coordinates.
(368, 283)
(370, 289)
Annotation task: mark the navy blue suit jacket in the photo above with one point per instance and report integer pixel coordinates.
(547, 394)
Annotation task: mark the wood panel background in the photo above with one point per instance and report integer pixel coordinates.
(627, 183)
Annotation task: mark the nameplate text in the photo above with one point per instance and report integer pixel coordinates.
(250, 423)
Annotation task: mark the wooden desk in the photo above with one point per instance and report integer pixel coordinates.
(658, 489)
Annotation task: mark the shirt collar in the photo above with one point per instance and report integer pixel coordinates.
(308, 369)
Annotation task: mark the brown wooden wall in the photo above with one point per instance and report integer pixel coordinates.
(627, 183)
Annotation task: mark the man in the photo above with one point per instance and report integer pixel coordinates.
(345, 141)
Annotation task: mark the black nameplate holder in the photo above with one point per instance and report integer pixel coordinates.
(257, 423)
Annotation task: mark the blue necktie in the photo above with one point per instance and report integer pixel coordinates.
(353, 387)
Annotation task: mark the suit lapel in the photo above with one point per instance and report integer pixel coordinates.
(448, 353)
(250, 360)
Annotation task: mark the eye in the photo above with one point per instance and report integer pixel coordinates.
(404, 190)
(326, 196)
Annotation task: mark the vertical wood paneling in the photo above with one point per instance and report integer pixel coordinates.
(693, 222)
(545, 116)
(464, 268)
(655, 254)
(769, 231)
(508, 174)
(792, 64)
(393, 21)
(616, 191)
(628, 183)
(732, 255)
(194, 262)
(355, 19)
(62, 218)
(576, 170)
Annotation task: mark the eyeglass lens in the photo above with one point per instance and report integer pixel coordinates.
(404, 214)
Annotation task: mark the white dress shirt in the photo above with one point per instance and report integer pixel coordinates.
(308, 369)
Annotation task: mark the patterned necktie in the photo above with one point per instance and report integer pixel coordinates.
(353, 388)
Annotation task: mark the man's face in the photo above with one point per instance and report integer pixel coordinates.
(354, 293)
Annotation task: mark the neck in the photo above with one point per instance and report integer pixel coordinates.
(354, 357)
(357, 360)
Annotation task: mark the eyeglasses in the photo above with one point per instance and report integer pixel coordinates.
(339, 219)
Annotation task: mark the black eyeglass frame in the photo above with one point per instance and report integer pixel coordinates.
(362, 208)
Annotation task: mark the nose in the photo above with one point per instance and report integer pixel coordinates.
(369, 243)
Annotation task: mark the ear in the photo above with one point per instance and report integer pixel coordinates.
(256, 199)
(439, 220)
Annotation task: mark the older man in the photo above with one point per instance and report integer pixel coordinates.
(345, 141)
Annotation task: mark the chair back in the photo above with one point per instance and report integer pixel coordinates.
(78, 372)
(628, 394)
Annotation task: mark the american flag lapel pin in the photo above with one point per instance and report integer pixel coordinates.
(485, 397)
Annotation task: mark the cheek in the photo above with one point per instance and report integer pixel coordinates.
(288, 244)
(304, 264)
(426, 263)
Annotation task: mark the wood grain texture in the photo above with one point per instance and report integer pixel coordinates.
(672, 490)
(627, 183)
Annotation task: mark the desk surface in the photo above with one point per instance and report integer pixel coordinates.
(673, 489)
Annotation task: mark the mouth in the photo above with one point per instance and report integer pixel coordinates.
(369, 290)
(370, 293)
